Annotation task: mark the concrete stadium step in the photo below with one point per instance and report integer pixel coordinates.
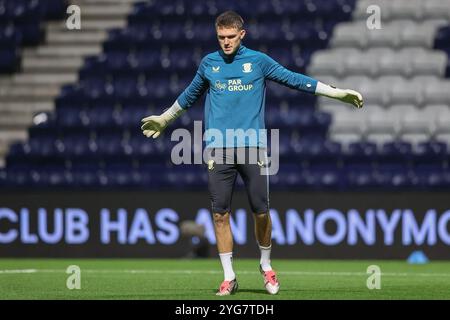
(62, 51)
(50, 79)
(106, 10)
(24, 106)
(11, 135)
(55, 37)
(15, 119)
(51, 64)
(15, 92)
(4, 147)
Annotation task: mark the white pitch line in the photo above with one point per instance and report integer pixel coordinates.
(19, 271)
(155, 271)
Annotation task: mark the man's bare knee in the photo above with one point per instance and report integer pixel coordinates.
(221, 219)
(261, 216)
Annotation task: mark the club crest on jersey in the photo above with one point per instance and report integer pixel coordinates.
(247, 67)
(216, 69)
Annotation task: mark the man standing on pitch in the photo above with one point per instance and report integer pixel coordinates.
(234, 79)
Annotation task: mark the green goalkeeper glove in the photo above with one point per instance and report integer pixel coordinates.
(154, 125)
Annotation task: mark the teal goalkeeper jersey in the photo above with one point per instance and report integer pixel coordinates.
(235, 100)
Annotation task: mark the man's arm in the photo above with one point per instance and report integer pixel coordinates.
(274, 71)
(154, 125)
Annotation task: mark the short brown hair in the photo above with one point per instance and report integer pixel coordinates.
(230, 19)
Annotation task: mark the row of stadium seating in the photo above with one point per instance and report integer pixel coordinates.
(312, 34)
(396, 90)
(398, 120)
(160, 9)
(395, 34)
(383, 61)
(390, 90)
(404, 9)
(294, 146)
(20, 25)
(147, 63)
(354, 178)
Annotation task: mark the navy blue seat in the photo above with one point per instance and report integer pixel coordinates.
(289, 176)
(186, 176)
(429, 177)
(360, 176)
(286, 151)
(77, 144)
(395, 152)
(71, 116)
(42, 146)
(117, 61)
(442, 38)
(324, 176)
(122, 174)
(200, 9)
(203, 32)
(146, 149)
(102, 116)
(286, 8)
(3, 178)
(146, 60)
(429, 161)
(430, 153)
(52, 10)
(283, 56)
(124, 39)
(359, 161)
(152, 175)
(109, 142)
(20, 175)
(156, 87)
(180, 61)
(86, 174)
(10, 37)
(9, 60)
(125, 87)
(393, 176)
(96, 87)
(317, 151)
(93, 66)
(50, 175)
(131, 117)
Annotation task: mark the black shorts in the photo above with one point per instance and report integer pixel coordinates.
(223, 167)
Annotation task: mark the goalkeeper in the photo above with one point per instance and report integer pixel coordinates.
(234, 80)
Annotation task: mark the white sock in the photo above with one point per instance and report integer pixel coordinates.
(227, 265)
(265, 258)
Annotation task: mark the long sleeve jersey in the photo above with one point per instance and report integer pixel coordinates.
(235, 100)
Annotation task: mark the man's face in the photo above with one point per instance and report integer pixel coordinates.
(230, 39)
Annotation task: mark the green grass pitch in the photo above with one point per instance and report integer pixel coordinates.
(198, 279)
